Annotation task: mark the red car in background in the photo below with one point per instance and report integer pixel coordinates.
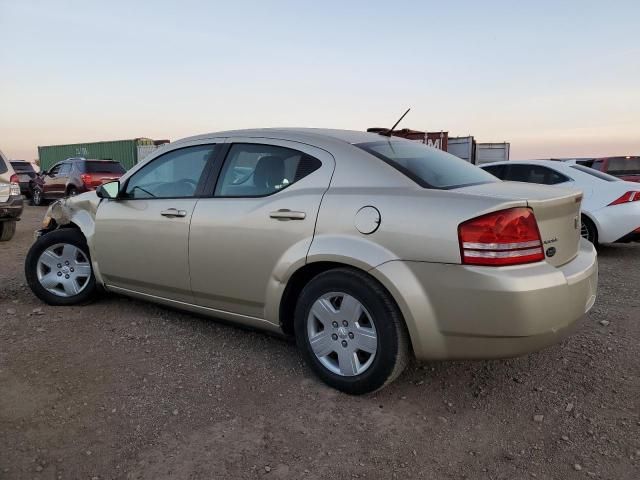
(626, 168)
(73, 176)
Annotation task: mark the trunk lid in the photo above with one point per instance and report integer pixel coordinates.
(557, 212)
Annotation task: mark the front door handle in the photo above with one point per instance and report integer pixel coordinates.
(172, 212)
(286, 214)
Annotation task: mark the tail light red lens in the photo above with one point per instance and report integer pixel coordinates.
(86, 179)
(13, 178)
(505, 237)
(626, 198)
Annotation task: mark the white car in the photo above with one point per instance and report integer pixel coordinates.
(611, 206)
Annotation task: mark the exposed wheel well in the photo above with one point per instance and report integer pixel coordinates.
(299, 280)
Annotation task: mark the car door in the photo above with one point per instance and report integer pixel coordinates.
(50, 188)
(141, 237)
(62, 179)
(260, 219)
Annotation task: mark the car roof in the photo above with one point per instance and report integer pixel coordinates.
(297, 135)
(547, 163)
(80, 159)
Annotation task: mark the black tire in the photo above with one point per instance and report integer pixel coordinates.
(36, 197)
(72, 192)
(392, 355)
(7, 230)
(590, 232)
(70, 236)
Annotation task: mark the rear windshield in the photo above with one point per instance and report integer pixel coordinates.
(103, 167)
(624, 166)
(427, 166)
(596, 173)
(21, 167)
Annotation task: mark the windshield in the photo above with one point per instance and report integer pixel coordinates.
(21, 167)
(103, 167)
(427, 166)
(624, 166)
(596, 173)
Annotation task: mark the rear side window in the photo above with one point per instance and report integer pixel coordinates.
(535, 174)
(624, 166)
(103, 167)
(3, 166)
(252, 170)
(495, 170)
(596, 173)
(427, 166)
(22, 167)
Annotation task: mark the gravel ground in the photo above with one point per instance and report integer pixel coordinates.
(125, 389)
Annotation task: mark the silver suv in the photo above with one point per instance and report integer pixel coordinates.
(10, 200)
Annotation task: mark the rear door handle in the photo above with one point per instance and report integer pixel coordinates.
(286, 214)
(172, 212)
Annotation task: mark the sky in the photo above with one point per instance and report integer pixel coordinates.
(553, 78)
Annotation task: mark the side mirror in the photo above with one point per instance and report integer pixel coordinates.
(108, 190)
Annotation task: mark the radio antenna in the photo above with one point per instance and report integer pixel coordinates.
(389, 132)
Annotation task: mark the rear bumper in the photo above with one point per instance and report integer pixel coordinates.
(457, 311)
(12, 208)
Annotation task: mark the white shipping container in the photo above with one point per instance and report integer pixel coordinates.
(462, 147)
(492, 152)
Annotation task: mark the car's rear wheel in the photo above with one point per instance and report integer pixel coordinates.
(351, 331)
(7, 230)
(36, 197)
(589, 230)
(58, 268)
(72, 192)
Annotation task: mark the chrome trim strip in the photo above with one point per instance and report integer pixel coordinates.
(508, 254)
(500, 246)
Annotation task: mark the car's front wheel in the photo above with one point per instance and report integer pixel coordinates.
(351, 331)
(58, 268)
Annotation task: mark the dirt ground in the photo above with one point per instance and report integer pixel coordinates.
(126, 389)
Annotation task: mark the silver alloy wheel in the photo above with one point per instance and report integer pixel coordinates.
(64, 270)
(342, 334)
(584, 231)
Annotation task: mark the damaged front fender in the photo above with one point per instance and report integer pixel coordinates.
(76, 212)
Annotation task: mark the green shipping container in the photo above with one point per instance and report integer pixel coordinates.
(127, 152)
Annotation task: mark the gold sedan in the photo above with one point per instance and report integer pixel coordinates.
(368, 249)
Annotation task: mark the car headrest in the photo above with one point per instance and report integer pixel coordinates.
(269, 172)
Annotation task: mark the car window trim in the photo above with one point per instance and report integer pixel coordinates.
(226, 158)
(201, 182)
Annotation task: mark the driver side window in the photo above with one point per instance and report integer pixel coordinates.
(175, 174)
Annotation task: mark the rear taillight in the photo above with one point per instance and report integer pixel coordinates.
(505, 237)
(86, 179)
(14, 178)
(626, 198)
